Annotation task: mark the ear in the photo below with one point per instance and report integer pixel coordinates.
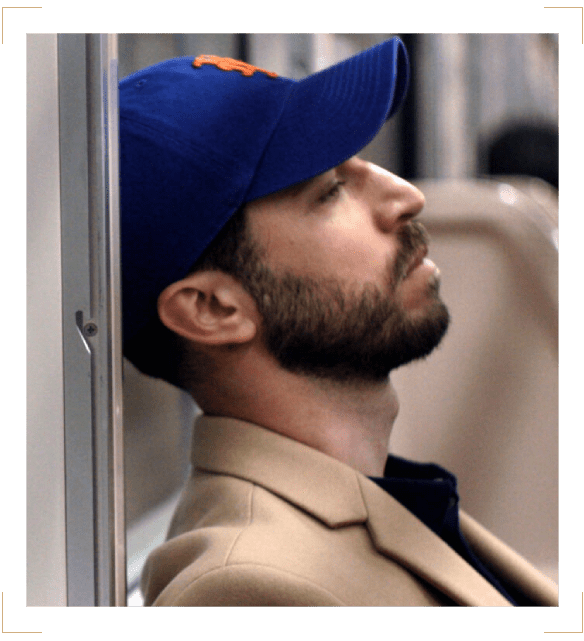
(209, 307)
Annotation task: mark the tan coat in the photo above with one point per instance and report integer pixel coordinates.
(265, 520)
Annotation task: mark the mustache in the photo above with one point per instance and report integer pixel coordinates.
(413, 237)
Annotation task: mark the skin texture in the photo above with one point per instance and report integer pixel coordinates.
(348, 226)
(341, 225)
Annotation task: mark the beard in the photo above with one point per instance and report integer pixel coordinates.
(325, 329)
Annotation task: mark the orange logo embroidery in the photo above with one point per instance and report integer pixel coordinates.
(229, 64)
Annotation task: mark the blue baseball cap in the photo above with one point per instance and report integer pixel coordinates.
(201, 137)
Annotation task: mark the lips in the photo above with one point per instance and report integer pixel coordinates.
(417, 259)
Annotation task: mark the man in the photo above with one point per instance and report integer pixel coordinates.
(279, 278)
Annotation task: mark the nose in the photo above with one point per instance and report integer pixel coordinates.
(394, 201)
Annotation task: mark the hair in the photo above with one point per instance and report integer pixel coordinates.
(158, 351)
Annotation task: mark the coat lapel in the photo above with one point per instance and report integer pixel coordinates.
(399, 535)
(507, 564)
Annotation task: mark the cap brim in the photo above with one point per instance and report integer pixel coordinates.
(331, 115)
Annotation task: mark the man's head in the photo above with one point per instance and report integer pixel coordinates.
(340, 276)
(279, 174)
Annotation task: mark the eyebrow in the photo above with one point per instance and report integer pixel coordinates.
(306, 185)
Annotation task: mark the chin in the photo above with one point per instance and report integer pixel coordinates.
(421, 333)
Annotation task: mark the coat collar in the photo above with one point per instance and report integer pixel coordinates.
(338, 496)
(320, 485)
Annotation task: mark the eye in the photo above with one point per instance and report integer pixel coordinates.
(333, 192)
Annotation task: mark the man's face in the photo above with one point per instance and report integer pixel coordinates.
(341, 278)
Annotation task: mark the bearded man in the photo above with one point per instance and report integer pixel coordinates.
(280, 279)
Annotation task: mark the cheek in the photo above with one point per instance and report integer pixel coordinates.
(288, 252)
(354, 261)
(344, 247)
(362, 257)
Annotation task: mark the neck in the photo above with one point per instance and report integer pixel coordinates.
(350, 422)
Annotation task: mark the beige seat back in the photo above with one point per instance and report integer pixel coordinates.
(485, 403)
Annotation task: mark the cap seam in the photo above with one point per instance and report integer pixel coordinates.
(293, 84)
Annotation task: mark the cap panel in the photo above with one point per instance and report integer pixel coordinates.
(227, 114)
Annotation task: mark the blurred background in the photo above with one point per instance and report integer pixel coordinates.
(479, 134)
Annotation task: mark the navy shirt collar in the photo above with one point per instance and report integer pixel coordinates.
(425, 489)
(429, 492)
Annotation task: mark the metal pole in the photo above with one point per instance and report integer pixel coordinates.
(96, 573)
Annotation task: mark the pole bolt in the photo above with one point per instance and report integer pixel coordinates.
(90, 329)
